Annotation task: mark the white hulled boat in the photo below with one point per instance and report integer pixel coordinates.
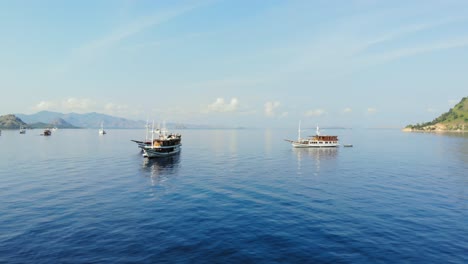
(22, 130)
(316, 141)
(165, 144)
(101, 130)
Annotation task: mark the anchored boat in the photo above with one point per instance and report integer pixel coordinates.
(47, 132)
(101, 130)
(316, 141)
(165, 144)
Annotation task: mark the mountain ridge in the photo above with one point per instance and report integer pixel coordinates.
(86, 120)
(12, 122)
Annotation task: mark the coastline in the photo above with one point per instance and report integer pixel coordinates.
(433, 131)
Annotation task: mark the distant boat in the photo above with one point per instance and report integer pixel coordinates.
(164, 145)
(47, 132)
(347, 145)
(22, 130)
(101, 130)
(317, 141)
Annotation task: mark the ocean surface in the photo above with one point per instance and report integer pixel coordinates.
(234, 196)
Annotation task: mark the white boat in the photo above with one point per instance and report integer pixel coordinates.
(22, 130)
(316, 141)
(165, 144)
(101, 130)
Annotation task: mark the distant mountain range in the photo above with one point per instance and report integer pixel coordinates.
(48, 119)
(73, 120)
(456, 119)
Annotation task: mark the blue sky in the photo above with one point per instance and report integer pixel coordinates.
(362, 63)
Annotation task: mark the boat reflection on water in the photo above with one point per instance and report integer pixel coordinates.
(317, 153)
(161, 168)
(314, 158)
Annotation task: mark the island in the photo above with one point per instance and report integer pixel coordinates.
(11, 121)
(455, 120)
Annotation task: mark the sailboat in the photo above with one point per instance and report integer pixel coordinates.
(101, 130)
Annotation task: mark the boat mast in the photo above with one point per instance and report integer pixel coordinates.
(318, 131)
(152, 134)
(147, 127)
(299, 132)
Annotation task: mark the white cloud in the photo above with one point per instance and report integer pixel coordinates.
(66, 105)
(221, 106)
(44, 105)
(78, 105)
(116, 109)
(316, 112)
(270, 108)
(371, 110)
(347, 110)
(431, 110)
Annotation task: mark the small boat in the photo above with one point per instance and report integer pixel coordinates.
(101, 130)
(22, 130)
(165, 144)
(47, 132)
(347, 145)
(316, 141)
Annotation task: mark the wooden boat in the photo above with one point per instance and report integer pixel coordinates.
(47, 132)
(165, 144)
(316, 141)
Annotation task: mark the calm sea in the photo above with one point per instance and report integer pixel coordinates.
(234, 196)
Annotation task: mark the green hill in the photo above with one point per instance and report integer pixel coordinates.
(11, 122)
(456, 119)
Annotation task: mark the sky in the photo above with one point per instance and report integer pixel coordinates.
(249, 63)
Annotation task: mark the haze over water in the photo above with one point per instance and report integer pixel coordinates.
(234, 196)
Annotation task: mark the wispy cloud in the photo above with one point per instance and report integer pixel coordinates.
(371, 110)
(421, 48)
(347, 110)
(402, 32)
(270, 110)
(76, 104)
(86, 105)
(316, 112)
(91, 50)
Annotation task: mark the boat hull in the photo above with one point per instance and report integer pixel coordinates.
(152, 152)
(314, 145)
